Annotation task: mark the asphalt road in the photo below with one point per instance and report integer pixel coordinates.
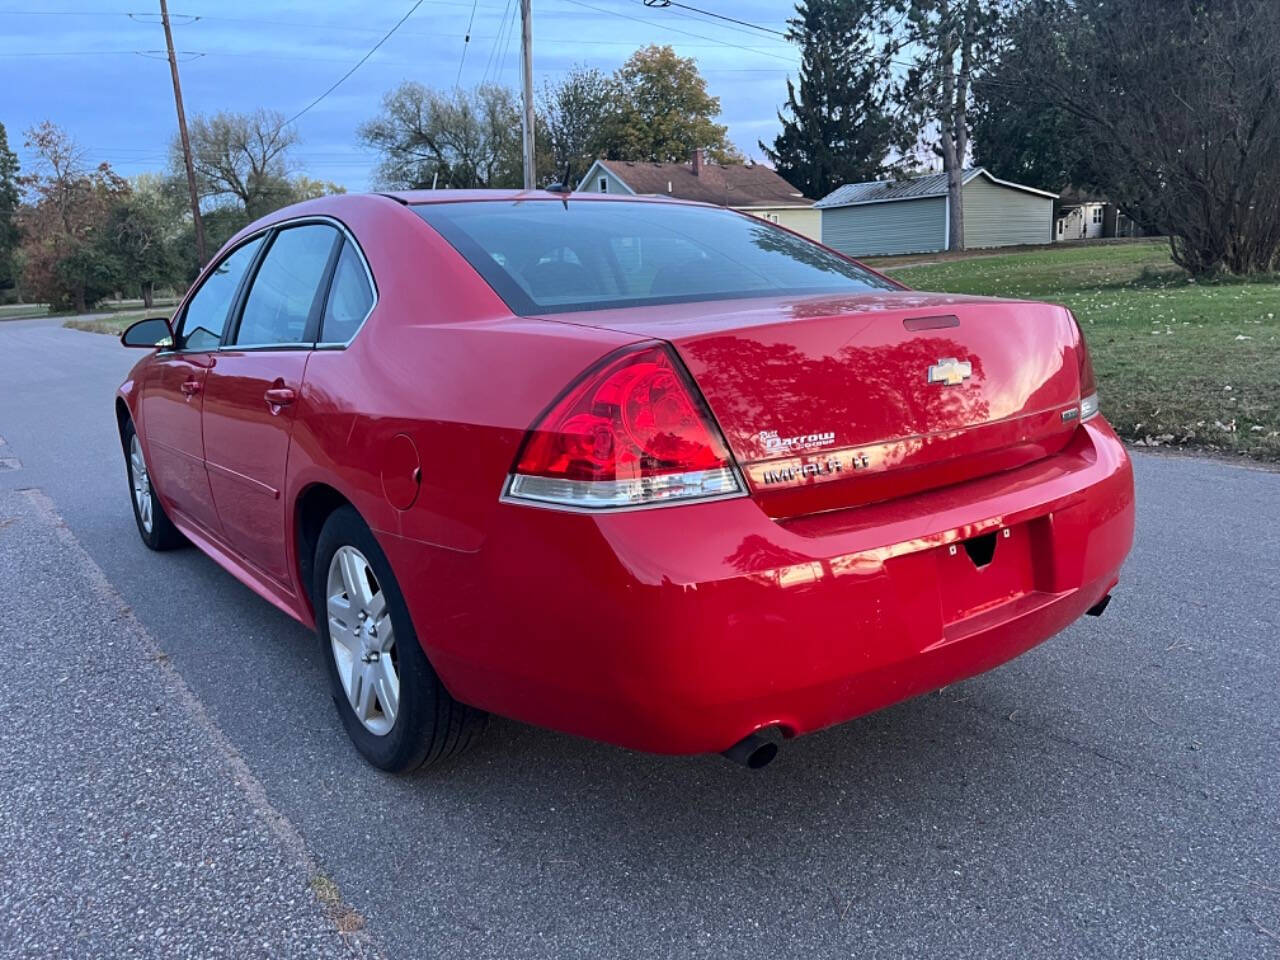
(1113, 793)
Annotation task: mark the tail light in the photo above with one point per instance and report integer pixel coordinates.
(1088, 381)
(631, 431)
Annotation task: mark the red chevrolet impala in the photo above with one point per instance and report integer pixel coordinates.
(651, 472)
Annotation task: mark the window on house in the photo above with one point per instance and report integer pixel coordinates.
(604, 184)
(1097, 214)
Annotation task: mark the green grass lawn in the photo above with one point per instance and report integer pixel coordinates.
(1179, 363)
(11, 310)
(117, 322)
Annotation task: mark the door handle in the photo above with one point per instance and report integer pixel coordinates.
(190, 387)
(280, 396)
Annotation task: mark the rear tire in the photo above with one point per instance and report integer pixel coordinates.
(393, 705)
(154, 526)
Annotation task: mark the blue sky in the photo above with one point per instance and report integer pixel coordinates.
(101, 74)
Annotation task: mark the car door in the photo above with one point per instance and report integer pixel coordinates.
(251, 391)
(171, 399)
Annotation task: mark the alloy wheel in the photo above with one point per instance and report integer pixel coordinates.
(363, 640)
(141, 483)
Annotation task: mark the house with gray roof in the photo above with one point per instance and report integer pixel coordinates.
(887, 217)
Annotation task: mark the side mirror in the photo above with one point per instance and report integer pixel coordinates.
(150, 333)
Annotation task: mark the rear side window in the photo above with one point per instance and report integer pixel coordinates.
(350, 298)
(288, 288)
(590, 255)
(207, 310)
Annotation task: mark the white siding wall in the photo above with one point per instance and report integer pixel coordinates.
(803, 220)
(879, 229)
(591, 182)
(996, 216)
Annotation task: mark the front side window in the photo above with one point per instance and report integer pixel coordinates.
(350, 298)
(551, 256)
(206, 315)
(287, 290)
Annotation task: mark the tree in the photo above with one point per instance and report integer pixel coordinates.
(578, 109)
(1019, 133)
(10, 195)
(221, 223)
(950, 42)
(243, 157)
(64, 264)
(1182, 122)
(138, 235)
(303, 187)
(838, 129)
(459, 139)
(664, 111)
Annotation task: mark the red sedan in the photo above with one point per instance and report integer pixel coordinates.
(651, 472)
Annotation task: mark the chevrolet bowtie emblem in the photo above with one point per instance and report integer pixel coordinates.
(950, 371)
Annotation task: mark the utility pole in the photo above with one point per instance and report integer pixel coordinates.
(526, 47)
(182, 133)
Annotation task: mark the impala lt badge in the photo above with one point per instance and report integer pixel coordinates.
(823, 467)
(950, 371)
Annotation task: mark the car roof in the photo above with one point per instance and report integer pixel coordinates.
(334, 205)
(415, 197)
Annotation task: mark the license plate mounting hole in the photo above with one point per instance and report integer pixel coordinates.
(981, 549)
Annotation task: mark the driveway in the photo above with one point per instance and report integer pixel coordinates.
(176, 780)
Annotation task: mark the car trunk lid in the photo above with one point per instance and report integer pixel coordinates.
(829, 402)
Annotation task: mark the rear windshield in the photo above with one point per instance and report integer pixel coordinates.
(549, 256)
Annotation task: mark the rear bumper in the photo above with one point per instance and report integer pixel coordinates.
(681, 630)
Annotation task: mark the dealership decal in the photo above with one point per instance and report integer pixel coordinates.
(773, 443)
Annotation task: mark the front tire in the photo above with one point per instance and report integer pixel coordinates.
(394, 707)
(154, 526)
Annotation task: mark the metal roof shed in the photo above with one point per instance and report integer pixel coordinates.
(910, 216)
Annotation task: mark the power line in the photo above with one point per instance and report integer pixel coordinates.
(466, 41)
(180, 19)
(492, 62)
(385, 37)
(64, 13)
(189, 55)
(686, 33)
(203, 16)
(663, 4)
(506, 46)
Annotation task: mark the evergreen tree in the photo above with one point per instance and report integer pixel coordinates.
(9, 197)
(838, 128)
